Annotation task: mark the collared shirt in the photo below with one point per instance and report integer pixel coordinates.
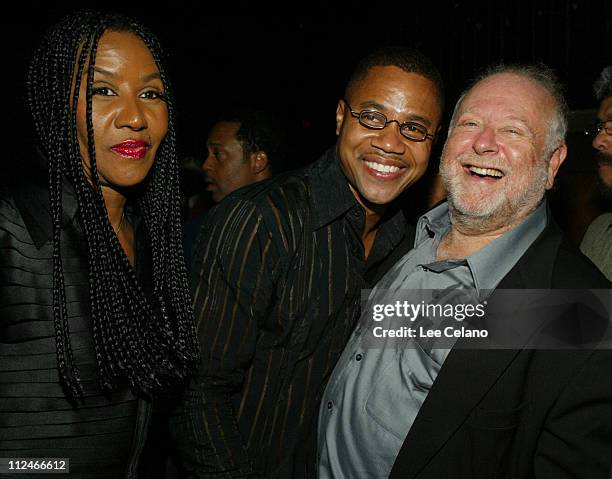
(278, 272)
(597, 243)
(376, 391)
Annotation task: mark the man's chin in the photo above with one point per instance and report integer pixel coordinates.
(472, 209)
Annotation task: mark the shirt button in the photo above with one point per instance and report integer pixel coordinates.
(359, 357)
(329, 405)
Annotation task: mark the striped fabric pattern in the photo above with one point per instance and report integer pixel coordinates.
(278, 273)
(36, 419)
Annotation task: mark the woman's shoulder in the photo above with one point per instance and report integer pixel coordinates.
(8, 209)
(25, 216)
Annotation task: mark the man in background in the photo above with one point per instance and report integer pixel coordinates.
(241, 148)
(597, 241)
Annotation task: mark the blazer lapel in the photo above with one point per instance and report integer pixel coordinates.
(463, 380)
(467, 374)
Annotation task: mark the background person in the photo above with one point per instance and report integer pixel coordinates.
(597, 241)
(241, 149)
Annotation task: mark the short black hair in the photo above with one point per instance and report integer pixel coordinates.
(405, 58)
(603, 85)
(259, 131)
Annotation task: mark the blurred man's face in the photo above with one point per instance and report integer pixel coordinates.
(603, 144)
(227, 167)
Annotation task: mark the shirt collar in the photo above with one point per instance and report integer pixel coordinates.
(331, 196)
(490, 264)
(436, 222)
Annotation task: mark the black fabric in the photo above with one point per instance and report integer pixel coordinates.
(518, 413)
(36, 419)
(277, 283)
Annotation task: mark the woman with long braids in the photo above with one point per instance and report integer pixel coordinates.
(95, 315)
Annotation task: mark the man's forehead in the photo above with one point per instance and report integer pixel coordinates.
(507, 94)
(508, 85)
(390, 85)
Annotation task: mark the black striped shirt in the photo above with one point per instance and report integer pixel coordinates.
(277, 276)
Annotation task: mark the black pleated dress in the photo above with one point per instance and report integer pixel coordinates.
(100, 436)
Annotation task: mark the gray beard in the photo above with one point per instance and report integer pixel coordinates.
(507, 214)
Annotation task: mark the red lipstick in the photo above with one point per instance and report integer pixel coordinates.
(131, 148)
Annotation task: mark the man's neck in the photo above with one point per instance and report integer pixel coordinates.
(373, 214)
(457, 244)
(465, 237)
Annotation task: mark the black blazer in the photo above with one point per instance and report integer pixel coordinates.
(518, 413)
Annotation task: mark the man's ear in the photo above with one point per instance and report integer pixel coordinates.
(556, 160)
(259, 162)
(339, 115)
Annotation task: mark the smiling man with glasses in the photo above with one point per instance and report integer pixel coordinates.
(279, 270)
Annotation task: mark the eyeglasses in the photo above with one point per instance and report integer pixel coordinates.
(597, 127)
(375, 120)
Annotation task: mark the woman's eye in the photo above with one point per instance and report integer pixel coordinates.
(103, 91)
(152, 95)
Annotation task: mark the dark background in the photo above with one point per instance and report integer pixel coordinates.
(297, 65)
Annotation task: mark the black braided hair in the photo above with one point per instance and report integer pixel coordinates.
(150, 341)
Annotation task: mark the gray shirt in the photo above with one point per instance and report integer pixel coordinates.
(375, 392)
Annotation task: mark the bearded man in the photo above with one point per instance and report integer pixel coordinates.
(597, 242)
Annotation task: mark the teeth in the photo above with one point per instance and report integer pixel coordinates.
(382, 168)
(486, 171)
